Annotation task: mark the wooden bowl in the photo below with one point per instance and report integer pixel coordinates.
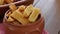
(33, 28)
(4, 8)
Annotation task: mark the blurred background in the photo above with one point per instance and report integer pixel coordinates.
(51, 12)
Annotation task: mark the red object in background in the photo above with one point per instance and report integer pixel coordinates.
(2, 30)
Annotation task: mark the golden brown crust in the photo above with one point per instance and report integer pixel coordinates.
(9, 1)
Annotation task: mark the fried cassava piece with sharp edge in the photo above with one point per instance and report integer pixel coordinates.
(24, 14)
(34, 15)
(18, 16)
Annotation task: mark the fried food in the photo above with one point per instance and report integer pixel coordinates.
(9, 14)
(21, 8)
(34, 15)
(10, 19)
(13, 7)
(28, 10)
(9, 1)
(18, 16)
(1, 2)
(6, 2)
(24, 14)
